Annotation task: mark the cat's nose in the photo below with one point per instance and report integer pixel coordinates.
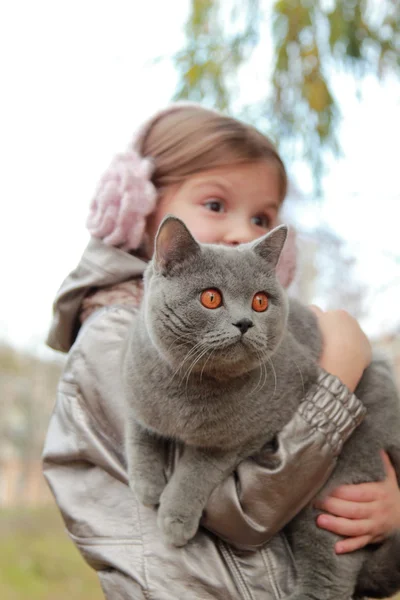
(243, 325)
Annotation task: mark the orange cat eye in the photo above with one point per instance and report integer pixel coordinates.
(211, 298)
(260, 302)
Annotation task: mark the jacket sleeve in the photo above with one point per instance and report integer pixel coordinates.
(83, 460)
(87, 479)
(268, 490)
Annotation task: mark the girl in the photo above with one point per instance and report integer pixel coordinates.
(227, 183)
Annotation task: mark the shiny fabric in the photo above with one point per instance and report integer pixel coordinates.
(85, 466)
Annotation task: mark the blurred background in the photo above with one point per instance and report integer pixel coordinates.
(322, 78)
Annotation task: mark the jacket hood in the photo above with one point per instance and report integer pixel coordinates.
(100, 266)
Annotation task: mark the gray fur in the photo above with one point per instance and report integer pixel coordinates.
(191, 375)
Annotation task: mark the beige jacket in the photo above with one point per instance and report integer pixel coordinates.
(85, 466)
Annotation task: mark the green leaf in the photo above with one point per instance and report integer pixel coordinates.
(308, 40)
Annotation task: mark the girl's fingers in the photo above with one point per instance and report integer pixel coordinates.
(367, 492)
(346, 527)
(362, 513)
(360, 492)
(352, 544)
(346, 508)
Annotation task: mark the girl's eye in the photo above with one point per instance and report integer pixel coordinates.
(215, 205)
(260, 302)
(261, 221)
(211, 298)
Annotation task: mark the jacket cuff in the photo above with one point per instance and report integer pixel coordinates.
(331, 408)
(269, 489)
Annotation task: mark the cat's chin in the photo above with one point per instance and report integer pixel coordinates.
(232, 361)
(227, 363)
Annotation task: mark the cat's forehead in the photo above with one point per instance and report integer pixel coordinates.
(233, 266)
(228, 255)
(235, 257)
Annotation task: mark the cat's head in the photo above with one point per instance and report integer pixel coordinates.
(215, 309)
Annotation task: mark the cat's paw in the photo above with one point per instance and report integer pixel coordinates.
(148, 491)
(177, 529)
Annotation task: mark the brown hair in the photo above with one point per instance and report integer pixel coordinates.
(192, 139)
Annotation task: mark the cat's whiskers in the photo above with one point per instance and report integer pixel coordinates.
(200, 350)
(267, 358)
(208, 358)
(259, 385)
(264, 358)
(202, 353)
(183, 341)
(177, 342)
(192, 353)
(263, 368)
(187, 357)
(221, 341)
(301, 375)
(211, 338)
(273, 369)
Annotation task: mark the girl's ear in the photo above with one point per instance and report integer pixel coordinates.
(271, 245)
(174, 243)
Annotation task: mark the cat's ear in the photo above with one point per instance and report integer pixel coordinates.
(174, 243)
(271, 245)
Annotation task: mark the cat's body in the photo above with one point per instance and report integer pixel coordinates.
(224, 381)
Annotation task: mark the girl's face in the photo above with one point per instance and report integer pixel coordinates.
(227, 205)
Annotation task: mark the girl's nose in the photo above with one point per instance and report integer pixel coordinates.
(239, 234)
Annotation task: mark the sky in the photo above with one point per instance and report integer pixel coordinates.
(79, 77)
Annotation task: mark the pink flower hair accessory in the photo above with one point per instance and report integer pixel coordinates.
(125, 195)
(123, 199)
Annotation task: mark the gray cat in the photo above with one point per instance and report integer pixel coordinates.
(219, 360)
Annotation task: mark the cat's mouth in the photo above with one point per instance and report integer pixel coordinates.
(237, 340)
(232, 357)
(237, 346)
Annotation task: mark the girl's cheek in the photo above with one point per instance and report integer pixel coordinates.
(204, 233)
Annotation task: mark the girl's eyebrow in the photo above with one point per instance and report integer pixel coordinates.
(213, 182)
(273, 204)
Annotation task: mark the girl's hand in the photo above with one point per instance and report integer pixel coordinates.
(363, 513)
(368, 512)
(346, 348)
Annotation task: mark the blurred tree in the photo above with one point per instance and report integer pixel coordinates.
(27, 392)
(311, 38)
(331, 263)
